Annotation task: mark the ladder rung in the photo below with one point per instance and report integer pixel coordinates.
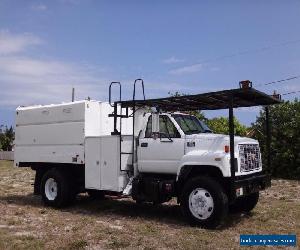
(126, 153)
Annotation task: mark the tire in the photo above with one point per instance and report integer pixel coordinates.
(57, 189)
(96, 194)
(204, 202)
(245, 204)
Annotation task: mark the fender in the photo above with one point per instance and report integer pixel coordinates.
(201, 159)
(194, 170)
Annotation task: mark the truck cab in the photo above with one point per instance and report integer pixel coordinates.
(184, 140)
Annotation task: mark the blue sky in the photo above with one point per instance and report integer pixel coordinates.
(48, 47)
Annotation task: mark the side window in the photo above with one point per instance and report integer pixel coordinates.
(167, 128)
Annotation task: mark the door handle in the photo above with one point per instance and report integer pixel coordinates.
(168, 140)
(144, 144)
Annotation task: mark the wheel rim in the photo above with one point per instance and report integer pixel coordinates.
(201, 203)
(51, 189)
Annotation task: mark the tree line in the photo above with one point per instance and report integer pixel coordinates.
(7, 136)
(285, 142)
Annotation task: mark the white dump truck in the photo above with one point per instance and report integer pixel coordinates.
(150, 149)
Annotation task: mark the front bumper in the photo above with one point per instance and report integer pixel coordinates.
(250, 184)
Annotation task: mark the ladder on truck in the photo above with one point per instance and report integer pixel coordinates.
(120, 115)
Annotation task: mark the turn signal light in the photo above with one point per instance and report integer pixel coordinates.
(226, 149)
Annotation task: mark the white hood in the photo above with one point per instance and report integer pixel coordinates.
(215, 142)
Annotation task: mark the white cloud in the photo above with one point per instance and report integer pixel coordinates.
(172, 60)
(26, 81)
(14, 43)
(39, 7)
(187, 69)
(25, 66)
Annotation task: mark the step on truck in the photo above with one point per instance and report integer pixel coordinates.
(152, 150)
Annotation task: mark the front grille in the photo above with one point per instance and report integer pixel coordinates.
(249, 155)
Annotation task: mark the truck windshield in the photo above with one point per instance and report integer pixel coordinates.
(190, 124)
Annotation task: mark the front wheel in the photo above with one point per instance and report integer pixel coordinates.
(204, 202)
(245, 204)
(251, 201)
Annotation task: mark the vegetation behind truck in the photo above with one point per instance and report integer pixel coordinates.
(72, 150)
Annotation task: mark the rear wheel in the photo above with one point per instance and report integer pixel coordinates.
(204, 202)
(56, 188)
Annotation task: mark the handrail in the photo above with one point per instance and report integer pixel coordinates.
(133, 116)
(142, 82)
(120, 97)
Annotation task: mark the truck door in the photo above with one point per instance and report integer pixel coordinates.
(160, 153)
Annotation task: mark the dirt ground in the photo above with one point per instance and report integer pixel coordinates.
(121, 223)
